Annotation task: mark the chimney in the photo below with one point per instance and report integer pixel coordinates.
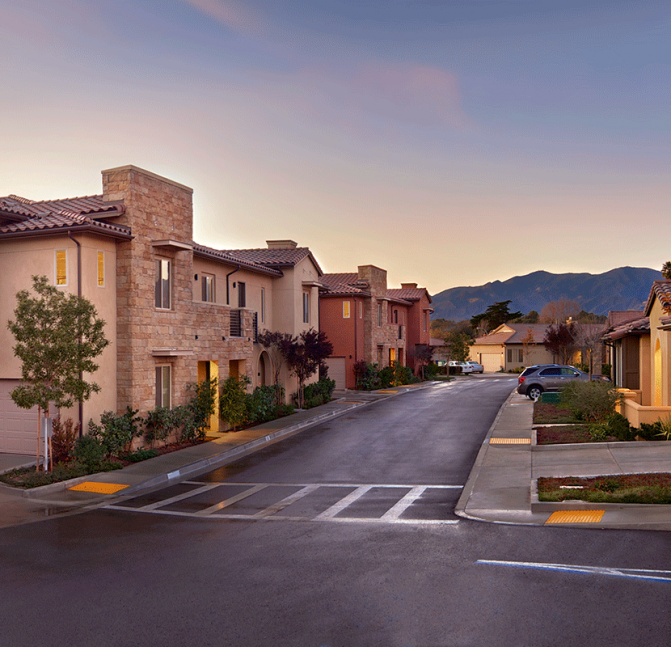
(281, 244)
(408, 286)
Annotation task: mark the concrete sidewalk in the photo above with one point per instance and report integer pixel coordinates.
(23, 506)
(501, 486)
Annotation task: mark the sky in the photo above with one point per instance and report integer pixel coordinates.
(451, 142)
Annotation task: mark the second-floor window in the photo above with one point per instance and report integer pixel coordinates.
(306, 307)
(61, 267)
(379, 314)
(345, 309)
(242, 295)
(162, 291)
(101, 269)
(208, 288)
(263, 305)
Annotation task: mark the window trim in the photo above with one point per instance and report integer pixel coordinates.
(208, 279)
(160, 372)
(158, 289)
(306, 307)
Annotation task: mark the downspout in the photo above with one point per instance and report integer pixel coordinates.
(228, 301)
(79, 294)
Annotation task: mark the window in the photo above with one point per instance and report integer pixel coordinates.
(242, 295)
(426, 316)
(61, 267)
(163, 386)
(395, 316)
(162, 291)
(208, 288)
(550, 371)
(360, 309)
(379, 314)
(263, 305)
(510, 354)
(306, 307)
(345, 309)
(101, 269)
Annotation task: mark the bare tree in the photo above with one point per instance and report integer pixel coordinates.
(559, 311)
(527, 341)
(588, 338)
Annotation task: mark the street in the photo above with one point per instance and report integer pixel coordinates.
(342, 535)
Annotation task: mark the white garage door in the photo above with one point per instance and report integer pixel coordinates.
(337, 371)
(491, 362)
(18, 427)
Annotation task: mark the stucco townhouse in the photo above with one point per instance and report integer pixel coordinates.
(641, 343)
(176, 311)
(364, 320)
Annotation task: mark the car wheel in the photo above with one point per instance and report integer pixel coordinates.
(534, 392)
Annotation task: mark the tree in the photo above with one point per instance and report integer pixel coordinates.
(273, 342)
(495, 315)
(58, 336)
(559, 311)
(305, 355)
(560, 340)
(423, 356)
(588, 337)
(458, 345)
(527, 341)
(666, 270)
(531, 318)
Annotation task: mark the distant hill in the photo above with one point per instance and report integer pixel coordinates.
(624, 288)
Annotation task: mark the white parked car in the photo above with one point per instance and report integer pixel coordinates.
(477, 367)
(464, 366)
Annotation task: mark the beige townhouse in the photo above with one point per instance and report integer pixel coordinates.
(175, 311)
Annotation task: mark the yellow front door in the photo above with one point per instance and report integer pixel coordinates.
(392, 356)
(210, 371)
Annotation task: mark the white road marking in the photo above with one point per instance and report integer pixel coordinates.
(331, 512)
(401, 506)
(287, 501)
(234, 499)
(630, 573)
(180, 497)
(392, 516)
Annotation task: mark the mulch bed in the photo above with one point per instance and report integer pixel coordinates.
(621, 488)
(565, 434)
(549, 413)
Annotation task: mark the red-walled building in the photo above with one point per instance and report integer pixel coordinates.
(366, 321)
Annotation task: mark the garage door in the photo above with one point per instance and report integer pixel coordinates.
(337, 371)
(491, 362)
(18, 427)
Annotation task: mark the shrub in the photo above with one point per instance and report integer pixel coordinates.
(366, 376)
(317, 393)
(386, 376)
(262, 405)
(665, 428)
(139, 455)
(158, 424)
(598, 432)
(606, 369)
(63, 440)
(200, 408)
(431, 370)
(590, 401)
(90, 452)
(232, 401)
(619, 427)
(116, 432)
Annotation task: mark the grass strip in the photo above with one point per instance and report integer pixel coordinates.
(619, 488)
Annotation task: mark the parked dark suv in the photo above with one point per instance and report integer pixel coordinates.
(547, 377)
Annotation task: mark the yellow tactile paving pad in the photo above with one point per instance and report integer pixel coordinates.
(510, 441)
(98, 488)
(576, 516)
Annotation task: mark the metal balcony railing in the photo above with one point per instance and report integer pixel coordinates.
(236, 323)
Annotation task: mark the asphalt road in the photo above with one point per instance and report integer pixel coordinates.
(271, 568)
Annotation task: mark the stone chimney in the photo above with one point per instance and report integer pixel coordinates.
(408, 286)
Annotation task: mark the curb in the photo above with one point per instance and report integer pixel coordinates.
(460, 509)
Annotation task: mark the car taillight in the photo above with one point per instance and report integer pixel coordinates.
(521, 379)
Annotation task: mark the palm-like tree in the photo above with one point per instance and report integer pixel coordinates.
(666, 270)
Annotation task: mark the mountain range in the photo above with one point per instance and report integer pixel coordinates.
(624, 288)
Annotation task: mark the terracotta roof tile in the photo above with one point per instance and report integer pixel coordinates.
(276, 258)
(637, 326)
(409, 294)
(225, 257)
(92, 205)
(64, 220)
(662, 291)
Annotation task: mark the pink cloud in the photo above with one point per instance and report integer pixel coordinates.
(230, 14)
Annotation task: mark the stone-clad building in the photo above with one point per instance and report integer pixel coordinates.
(175, 311)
